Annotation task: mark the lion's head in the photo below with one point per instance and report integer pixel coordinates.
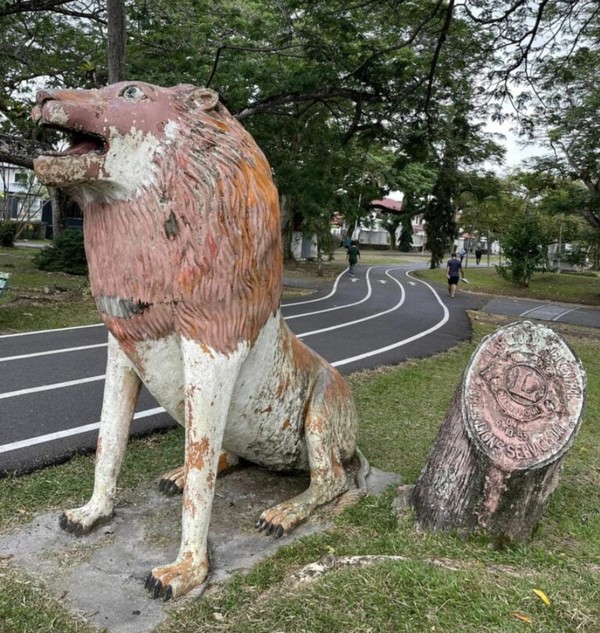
(181, 216)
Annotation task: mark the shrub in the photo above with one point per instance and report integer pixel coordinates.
(8, 232)
(524, 244)
(66, 255)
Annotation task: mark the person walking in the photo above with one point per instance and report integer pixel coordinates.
(454, 271)
(478, 254)
(352, 256)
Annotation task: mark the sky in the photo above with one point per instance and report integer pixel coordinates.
(515, 152)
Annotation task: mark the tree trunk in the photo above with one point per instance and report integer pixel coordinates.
(60, 203)
(287, 216)
(117, 38)
(498, 455)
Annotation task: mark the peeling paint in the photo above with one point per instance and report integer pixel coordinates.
(182, 234)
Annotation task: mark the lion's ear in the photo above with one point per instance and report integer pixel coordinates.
(203, 98)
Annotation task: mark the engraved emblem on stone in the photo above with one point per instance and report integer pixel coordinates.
(524, 392)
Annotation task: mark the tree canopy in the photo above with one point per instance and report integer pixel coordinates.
(329, 87)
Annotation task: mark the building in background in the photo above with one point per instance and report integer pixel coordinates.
(21, 195)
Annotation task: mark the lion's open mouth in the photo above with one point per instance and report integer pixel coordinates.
(77, 143)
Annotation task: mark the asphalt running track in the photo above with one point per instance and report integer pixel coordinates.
(51, 382)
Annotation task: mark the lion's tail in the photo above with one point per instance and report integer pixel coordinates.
(352, 497)
(364, 471)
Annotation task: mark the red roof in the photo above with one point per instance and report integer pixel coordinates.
(388, 205)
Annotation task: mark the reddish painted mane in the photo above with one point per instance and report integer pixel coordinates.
(198, 251)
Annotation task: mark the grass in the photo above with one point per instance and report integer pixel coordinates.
(38, 300)
(440, 583)
(548, 286)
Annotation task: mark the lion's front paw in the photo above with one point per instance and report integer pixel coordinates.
(173, 581)
(284, 517)
(81, 521)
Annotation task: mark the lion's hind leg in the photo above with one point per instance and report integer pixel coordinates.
(326, 412)
(172, 482)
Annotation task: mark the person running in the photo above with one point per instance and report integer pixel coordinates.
(454, 270)
(353, 256)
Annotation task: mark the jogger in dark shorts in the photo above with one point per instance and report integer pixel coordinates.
(454, 271)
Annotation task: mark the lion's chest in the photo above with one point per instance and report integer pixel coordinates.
(130, 256)
(265, 416)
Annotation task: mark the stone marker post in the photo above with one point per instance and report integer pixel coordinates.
(498, 455)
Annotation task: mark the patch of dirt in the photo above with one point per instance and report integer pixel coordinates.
(102, 574)
(43, 297)
(311, 269)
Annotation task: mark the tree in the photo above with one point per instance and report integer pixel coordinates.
(117, 38)
(567, 121)
(525, 244)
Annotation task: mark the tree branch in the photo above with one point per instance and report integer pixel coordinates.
(436, 55)
(18, 151)
(497, 20)
(355, 121)
(245, 49)
(288, 98)
(37, 6)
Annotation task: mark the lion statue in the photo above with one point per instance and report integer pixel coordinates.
(182, 236)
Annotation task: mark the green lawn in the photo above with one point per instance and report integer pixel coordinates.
(37, 300)
(566, 287)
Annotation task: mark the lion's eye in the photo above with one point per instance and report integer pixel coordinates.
(133, 93)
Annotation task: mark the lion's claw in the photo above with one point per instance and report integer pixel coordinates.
(82, 527)
(73, 527)
(156, 588)
(270, 528)
(169, 488)
(149, 584)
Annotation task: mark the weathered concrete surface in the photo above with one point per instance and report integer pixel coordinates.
(101, 576)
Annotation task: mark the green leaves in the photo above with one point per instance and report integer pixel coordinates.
(524, 244)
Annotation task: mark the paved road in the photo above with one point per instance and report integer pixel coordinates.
(51, 382)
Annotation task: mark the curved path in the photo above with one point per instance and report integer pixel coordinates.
(51, 382)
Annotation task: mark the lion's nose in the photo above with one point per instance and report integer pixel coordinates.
(43, 95)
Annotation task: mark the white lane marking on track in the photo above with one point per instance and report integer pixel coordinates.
(150, 412)
(56, 385)
(49, 437)
(531, 310)
(405, 341)
(60, 329)
(346, 305)
(52, 351)
(333, 291)
(368, 318)
(548, 311)
(562, 314)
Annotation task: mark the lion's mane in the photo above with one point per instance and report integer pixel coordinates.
(197, 252)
